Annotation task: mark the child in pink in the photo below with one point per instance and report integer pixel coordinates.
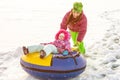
(60, 45)
(62, 41)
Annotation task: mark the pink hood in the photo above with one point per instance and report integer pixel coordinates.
(66, 33)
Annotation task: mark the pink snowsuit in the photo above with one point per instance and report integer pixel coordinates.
(57, 46)
(62, 44)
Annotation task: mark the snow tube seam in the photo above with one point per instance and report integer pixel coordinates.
(52, 71)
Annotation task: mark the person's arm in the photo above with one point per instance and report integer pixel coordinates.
(63, 24)
(83, 29)
(68, 47)
(81, 35)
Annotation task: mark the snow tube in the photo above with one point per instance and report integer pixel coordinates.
(55, 66)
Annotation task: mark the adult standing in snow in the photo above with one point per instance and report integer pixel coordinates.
(76, 21)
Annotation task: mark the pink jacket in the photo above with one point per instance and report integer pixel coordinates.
(62, 44)
(80, 26)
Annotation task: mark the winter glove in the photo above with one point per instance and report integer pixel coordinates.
(65, 52)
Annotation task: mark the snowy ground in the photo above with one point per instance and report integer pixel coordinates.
(103, 46)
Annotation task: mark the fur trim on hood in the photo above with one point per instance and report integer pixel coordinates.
(66, 33)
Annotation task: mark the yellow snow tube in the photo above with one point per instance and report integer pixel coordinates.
(34, 58)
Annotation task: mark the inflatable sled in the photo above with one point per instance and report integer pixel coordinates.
(54, 66)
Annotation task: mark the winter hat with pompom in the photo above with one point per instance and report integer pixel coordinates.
(77, 7)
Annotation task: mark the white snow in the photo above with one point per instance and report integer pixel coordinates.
(27, 22)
